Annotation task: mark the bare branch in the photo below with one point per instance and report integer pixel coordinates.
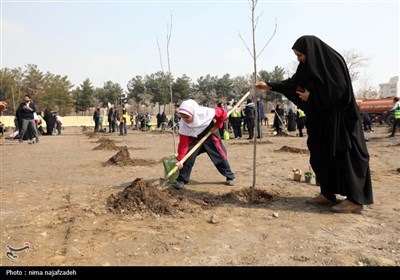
(354, 61)
(159, 51)
(276, 26)
(256, 20)
(169, 33)
(248, 49)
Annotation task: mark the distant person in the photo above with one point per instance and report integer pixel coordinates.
(26, 110)
(164, 120)
(279, 115)
(291, 121)
(111, 120)
(367, 122)
(96, 119)
(396, 110)
(339, 156)
(41, 123)
(158, 118)
(195, 123)
(123, 118)
(261, 116)
(235, 119)
(250, 117)
(50, 121)
(300, 121)
(59, 123)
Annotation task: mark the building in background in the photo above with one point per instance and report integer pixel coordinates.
(390, 89)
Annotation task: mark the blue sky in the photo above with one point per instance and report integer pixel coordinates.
(117, 40)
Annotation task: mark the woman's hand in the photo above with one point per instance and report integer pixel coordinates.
(179, 165)
(303, 95)
(262, 85)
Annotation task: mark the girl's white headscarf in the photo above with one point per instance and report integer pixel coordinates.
(202, 116)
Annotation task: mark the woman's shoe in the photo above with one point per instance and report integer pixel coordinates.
(320, 200)
(346, 206)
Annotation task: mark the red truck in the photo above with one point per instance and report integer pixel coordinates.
(377, 109)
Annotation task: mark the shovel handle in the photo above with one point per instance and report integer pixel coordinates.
(195, 147)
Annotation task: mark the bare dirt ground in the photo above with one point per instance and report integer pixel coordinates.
(78, 200)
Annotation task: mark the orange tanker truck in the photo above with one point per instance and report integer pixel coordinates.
(377, 109)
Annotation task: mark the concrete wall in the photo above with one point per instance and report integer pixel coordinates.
(8, 121)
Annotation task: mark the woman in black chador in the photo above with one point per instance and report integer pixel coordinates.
(50, 121)
(322, 88)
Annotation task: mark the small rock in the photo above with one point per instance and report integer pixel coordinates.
(275, 215)
(214, 219)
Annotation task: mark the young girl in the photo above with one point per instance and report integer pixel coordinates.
(196, 122)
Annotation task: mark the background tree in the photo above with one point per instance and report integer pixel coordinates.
(83, 96)
(11, 86)
(32, 84)
(181, 89)
(355, 61)
(224, 87)
(157, 85)
(56, 94)
(241, 85)
(206, 84)
(136, 87)
(366, 90)
(51, 90)
(206, 99)
(110, 93)
(277, 74)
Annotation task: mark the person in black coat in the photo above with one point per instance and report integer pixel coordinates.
(50, 121)
(250, 116)
(96, 118)
(291, 121)
(25, 113)
(322, 88)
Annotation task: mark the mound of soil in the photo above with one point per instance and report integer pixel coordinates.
(293, 150)
(106, 144)
(92, 135)
(146, 198)
(123, 158)
(142, 197)
(103, 139)
(85, 128)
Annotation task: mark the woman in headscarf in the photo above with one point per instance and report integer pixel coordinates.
(322, 88)
(195, 122)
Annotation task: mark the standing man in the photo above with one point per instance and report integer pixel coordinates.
(250, 116)
(26, 110)
(96, 118)
(396, 110)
